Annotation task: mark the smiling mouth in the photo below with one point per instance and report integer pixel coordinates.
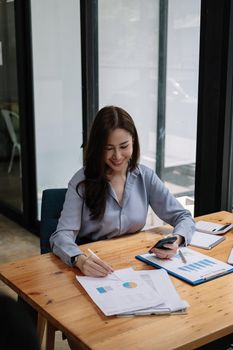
(117, 163)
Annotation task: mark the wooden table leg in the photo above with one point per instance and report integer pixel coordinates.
(50, 337)
(41, 321)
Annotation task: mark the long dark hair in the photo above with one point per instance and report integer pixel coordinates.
(95, 184)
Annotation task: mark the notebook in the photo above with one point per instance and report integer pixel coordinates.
(212, 227)
(205, 240)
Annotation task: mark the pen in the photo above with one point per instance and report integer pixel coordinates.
(182, 257)
(92, 253)
(213, 274)
(221, 228)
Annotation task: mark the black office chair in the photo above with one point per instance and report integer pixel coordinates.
(51, 207)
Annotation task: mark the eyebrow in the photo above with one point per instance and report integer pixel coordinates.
(121, 144)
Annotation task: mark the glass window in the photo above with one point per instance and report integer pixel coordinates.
(181, 96)
(10, 147)
(128, 64)
(57, 91)
(128, 77)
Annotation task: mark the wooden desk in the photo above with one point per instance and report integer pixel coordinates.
(49, 286)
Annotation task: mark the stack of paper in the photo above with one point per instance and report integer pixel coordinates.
(127, 292)
(161, 282)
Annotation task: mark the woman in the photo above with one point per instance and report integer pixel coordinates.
(110, 196)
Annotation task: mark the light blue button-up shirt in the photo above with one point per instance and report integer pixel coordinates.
(142, 188)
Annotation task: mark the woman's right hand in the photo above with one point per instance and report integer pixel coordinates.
(93, 266)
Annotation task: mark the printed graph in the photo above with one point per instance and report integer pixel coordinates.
(105, 289)
(198, 265)
(129, 284)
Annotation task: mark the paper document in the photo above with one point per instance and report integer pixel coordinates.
(205, 240)
(123, 291)
(198, 269)
(160, 281)
(213, 228)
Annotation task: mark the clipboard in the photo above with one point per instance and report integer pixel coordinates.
(200, 268)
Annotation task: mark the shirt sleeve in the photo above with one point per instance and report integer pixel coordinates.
(166, 206)
(62, 241)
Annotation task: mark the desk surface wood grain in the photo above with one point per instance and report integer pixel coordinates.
(50, 287)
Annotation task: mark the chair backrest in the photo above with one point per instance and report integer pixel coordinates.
(51, 207)
(7, 115)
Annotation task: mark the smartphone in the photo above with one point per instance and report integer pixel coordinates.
(161, 242)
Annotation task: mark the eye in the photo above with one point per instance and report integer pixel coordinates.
(125, 146)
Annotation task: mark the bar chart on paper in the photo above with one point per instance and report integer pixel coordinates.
(198, 267)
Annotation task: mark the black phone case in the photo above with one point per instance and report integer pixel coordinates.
(160, 244)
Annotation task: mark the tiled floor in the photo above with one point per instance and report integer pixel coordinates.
(17, 243)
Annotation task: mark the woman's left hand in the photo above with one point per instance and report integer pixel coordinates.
(170, 251)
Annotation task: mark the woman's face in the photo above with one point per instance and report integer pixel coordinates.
(118, 150)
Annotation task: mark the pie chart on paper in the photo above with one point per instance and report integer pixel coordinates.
(129, 284)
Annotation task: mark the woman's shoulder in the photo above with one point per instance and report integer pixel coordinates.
(148, 175)
(77, 177)
(145, 170)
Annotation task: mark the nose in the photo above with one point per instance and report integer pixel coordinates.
(116, 154)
